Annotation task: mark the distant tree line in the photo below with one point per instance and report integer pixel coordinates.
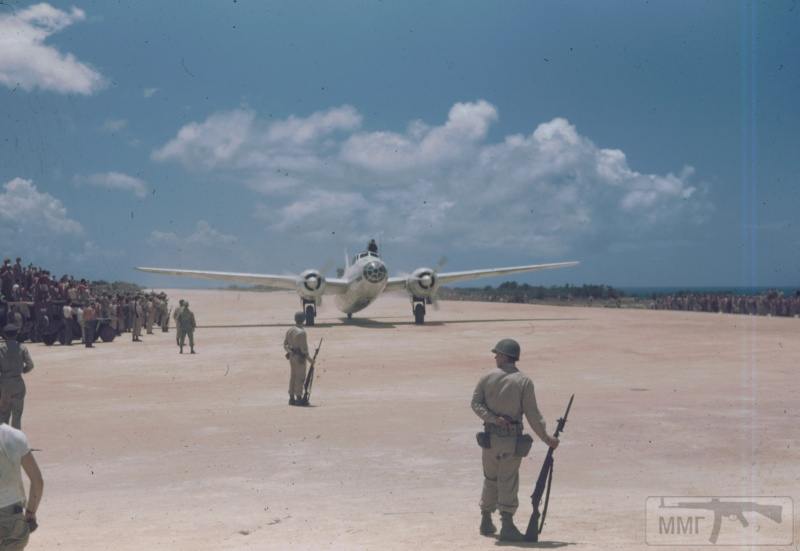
(511, 291)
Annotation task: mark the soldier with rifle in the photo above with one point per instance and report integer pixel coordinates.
(296, 346)
(500, 399)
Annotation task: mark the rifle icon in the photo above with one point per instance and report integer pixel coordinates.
(310, 375)
(545, 479)
(730, 509)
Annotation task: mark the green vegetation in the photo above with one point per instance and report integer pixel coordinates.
(511, 291)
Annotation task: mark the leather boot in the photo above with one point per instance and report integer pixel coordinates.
(487, 526)
(509, 532)
(292, 401)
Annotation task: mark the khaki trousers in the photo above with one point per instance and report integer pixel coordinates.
(182, 338)
(14, 389)
(14, 532)
(500, 475)
(297, 375)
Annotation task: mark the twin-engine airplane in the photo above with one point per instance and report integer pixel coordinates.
(364, 279)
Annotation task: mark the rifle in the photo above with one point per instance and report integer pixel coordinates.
(543, 483)
(310, 375)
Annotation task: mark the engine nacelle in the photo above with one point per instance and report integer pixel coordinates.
(311, 285)
(422, 283)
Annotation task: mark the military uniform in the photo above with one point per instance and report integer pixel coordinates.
(296, 345)
(138, 314)
(14, 361)
(175, 315)
(150, 315)
(500, 399)
(186, 323)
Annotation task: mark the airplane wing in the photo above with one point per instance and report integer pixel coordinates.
(398, 283)
(333, 286)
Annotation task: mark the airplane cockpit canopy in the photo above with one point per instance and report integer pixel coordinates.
(365, 254)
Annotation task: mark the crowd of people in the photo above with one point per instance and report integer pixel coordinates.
(49, 309)
(773, 303)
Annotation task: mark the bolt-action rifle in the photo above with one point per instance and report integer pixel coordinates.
(543, 483)
(310, 375)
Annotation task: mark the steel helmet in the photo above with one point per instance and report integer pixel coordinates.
(507, 347)
(299, 317)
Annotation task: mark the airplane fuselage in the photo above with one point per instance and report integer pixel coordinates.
(366, 279)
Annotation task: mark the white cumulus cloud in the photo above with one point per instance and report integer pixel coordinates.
(548, 190)
(211, 143)
(36, 225)
(467, 124)
(27, 62)
(115, 181)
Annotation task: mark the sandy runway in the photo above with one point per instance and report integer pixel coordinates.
(143, 448)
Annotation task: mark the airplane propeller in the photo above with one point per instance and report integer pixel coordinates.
(428, 282)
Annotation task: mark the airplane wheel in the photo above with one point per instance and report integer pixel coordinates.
(309, 315)
(419, 314)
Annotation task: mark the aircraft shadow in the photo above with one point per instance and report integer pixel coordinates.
(376, 323)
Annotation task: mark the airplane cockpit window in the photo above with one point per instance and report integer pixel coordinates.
(366, 254)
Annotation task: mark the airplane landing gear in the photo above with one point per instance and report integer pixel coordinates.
(349, 315)
(418, 308)
(310, 310)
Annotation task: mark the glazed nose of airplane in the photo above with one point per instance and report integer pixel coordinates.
(374, 272)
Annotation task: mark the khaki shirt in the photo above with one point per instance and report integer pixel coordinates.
(186, 320)
(296, 342)
(14, 359)
(507, 391)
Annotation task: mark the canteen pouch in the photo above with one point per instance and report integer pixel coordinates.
(523, 445)
(484, 441)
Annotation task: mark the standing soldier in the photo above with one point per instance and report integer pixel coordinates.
(138, 314)
(296, 346)
(186, 324)
(500, 399)
(14, 361)
(175, 315)
(164, 313)
(149, 312)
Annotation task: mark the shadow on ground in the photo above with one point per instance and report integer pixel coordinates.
(375, 323)
(534, 544)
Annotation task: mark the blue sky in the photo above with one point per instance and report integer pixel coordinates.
(656, 142)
